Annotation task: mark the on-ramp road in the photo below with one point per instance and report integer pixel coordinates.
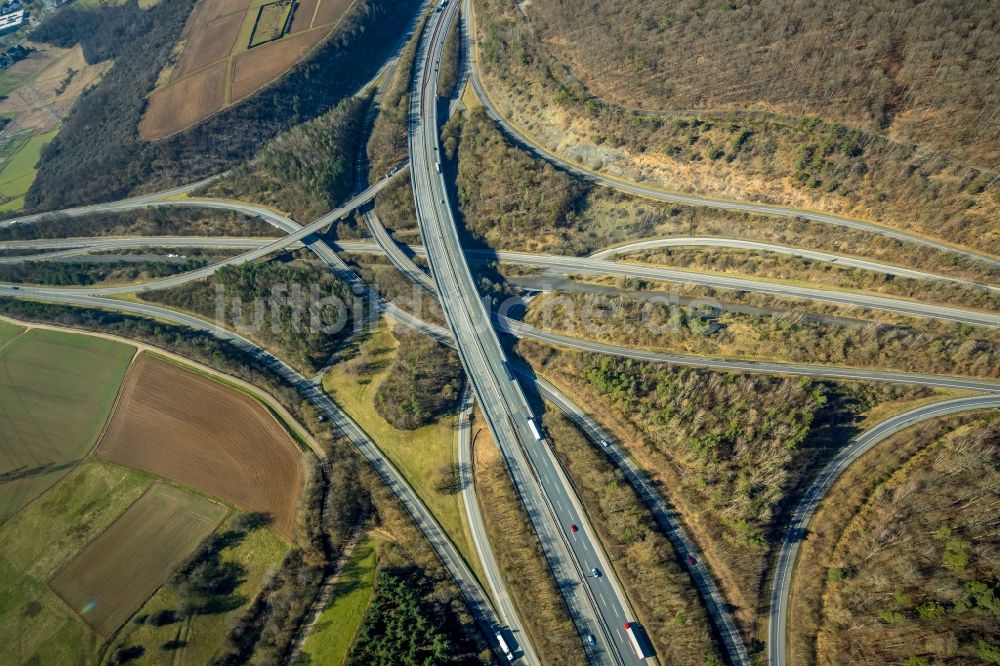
(806, 507)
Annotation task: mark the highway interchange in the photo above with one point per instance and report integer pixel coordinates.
(598, 605)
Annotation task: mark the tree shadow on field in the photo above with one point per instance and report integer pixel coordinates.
(207, 583)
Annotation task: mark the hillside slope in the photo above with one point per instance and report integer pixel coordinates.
(922, 72)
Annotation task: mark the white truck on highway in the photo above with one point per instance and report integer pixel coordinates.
(504, 647)
(637, 639)
(534, 429)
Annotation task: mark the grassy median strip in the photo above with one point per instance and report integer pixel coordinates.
(419, 454)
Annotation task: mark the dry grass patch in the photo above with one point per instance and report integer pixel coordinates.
(424, 456)
(113, 576)
(272, 19)
(197, 431)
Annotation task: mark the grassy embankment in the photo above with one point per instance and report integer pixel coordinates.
(334, 632)
(419, 453)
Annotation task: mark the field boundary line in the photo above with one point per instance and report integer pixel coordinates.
(16, 337)
(114, 405)
(145, 346)
(48, 583)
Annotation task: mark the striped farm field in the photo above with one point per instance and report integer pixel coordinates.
(229, 50)
(202, 94)
(189, 428)
(56, 392)
(114, 575)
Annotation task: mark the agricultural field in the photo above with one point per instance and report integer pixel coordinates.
(80, 513)
(117, 539)
(194, 430)
(56, 392)
(19, 172)
(34, 621)
(245, 44)
(112, 577)
(8, 332)
(334, 631)
(248, 556)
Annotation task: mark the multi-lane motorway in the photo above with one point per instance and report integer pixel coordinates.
(597, 605)
(554, 264)
(595, 599)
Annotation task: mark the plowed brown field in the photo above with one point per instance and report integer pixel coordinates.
(212, 42)
(211, 10)
(191, 429)
(175, 107)
(221, 63)
(261, 65)
(330, 11)
(302, 19)
(114, 575)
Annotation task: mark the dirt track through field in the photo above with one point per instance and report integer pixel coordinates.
(194, 430)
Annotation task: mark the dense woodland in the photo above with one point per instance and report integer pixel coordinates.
(923, 71)
(508, 199)
(307, 170)
(398, 628)
(423, 383)
(139, 41)
(728, 450)
(175, 221)
(82, 273)
(915, 577)
(387, 144)
(284, 304)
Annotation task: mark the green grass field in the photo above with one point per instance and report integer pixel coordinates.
(334, 632)
(417, 453)
(56, 392)
(19, 173)
(258, 553)
(35, 625)
(8, 332)
(110, 579)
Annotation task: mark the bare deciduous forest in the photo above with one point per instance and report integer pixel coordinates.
(799, 157)
(728, 451)
(914, 578)
(922, 72)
